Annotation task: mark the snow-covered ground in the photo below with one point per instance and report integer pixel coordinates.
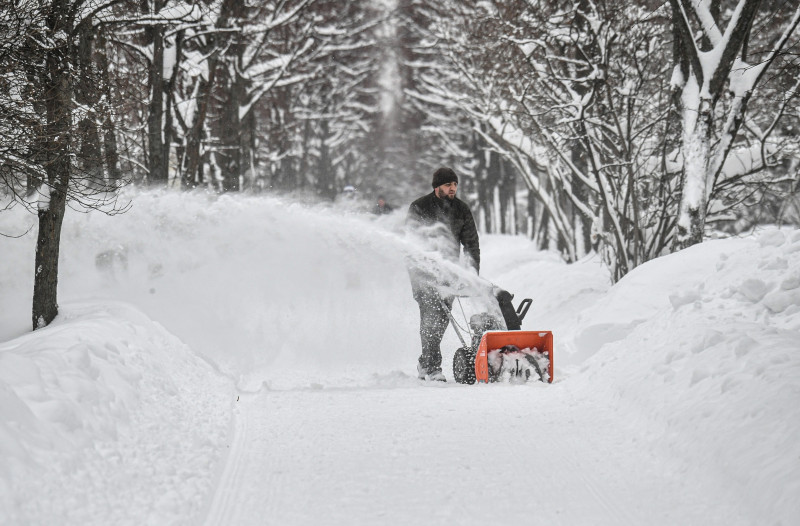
(223, 360)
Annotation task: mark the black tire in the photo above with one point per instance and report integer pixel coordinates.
(464, 365)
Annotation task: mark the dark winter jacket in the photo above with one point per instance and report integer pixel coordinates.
(379, 210)
(450, 225)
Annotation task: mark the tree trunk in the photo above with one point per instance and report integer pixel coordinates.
(45, 284)
(193, 141)
(479, 154)
(89, 156)
(581, 224)
(87, 91)
(507, 194)
(155, 118)
(169, 90)
(51, 214)
(302, 174)
(326, 177)
(696, 98)
(231, 134)
(694, 194)
(110, 152)
(530, 212)
(247, 146)
(193, 154)
(490, 184)
(110, 148)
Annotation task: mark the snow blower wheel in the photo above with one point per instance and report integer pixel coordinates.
(464, 365)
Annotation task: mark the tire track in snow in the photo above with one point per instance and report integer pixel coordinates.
(250, 490)
(465, 455)
(224, 501)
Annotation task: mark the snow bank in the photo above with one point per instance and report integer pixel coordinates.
(107, 419)
(262, 286)
(701, 351)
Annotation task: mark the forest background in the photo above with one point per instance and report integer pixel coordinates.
(629, 130)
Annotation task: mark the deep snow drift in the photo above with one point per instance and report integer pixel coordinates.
(121, 410)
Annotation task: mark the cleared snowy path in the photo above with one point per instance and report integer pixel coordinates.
(443, 455)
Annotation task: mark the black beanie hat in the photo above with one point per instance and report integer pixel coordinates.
(443, 176)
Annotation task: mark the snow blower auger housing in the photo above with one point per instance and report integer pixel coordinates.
(496, 354)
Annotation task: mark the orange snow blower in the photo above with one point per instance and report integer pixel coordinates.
(498, 353)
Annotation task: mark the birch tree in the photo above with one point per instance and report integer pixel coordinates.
(714, 61)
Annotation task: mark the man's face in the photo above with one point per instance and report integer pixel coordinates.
(446, 191)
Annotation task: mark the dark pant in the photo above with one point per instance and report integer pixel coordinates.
(433, 320)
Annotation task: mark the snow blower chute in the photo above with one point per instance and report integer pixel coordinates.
(496, 353)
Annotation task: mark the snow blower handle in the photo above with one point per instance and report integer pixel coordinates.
(523, 307)
(455, 325)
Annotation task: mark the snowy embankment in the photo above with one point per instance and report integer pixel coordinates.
(701, 351)
(109, 417)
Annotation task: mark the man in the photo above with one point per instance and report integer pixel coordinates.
(447, 224)
(382, 207)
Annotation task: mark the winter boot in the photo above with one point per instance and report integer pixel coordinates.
(430, 375)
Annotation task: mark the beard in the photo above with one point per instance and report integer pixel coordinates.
(442, 194)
